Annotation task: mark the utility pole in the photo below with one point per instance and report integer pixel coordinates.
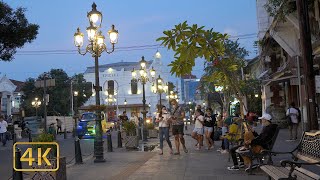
(45, 101)
(307, 59)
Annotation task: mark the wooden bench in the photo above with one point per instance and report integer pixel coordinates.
(308, 151)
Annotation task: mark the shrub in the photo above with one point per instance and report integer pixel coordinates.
(129, 128)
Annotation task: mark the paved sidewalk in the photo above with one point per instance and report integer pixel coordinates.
(149, 165)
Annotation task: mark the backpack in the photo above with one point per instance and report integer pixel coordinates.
(299, 116)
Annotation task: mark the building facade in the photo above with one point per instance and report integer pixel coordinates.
(189, 86)
(280, 58)
(124, 88)
(10, 96)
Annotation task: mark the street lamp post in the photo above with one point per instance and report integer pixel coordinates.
(160, 87)
(36, 104)
(96, 47)
(75, 110)
(143, 79)
(125, 104)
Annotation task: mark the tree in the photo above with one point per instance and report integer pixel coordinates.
(224, 58)
(15, 31)
(190, 43)
(60, 95)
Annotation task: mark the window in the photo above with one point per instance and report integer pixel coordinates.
(111, 87)
(134, 86)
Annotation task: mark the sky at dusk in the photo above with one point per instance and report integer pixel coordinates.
(139, 22)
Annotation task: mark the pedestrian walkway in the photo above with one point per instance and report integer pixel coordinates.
(149, 165)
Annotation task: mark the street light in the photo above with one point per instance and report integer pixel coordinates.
(125, 104)
(75, 95)
(36, 104)
(159, 87)
(96, 47)
(143, 78)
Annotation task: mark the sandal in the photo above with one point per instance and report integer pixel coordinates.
(176, 153)
(185, 150)
(161, 153)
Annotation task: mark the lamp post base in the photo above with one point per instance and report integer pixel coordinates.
(98, 152)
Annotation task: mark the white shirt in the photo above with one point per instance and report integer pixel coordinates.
(294, 113)
(163, 121)
(198, 123)
(3, 126)
(135, 120)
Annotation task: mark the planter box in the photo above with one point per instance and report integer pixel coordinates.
(61, 174)
(153, 133)
(131, 142)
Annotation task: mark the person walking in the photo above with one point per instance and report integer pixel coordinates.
(3, 130)
(163, 118)
(59, 125)
(197, 132)
(209, 121)
(293, 114)
(177, 116)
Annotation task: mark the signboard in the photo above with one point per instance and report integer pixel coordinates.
(294, 81)
(49, 83)
(317, 81)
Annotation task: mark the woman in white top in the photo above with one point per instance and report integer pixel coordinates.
(163, 119)
(197, 132)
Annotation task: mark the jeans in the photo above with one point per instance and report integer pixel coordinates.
(164, 131)
(234, 156)
(3, 138)
(293, 128)
(226, 143)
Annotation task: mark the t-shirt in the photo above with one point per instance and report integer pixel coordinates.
(3, 126)
(164, 120)
(224, 130)
(294, 113)
(177, 113)
(59, 123)
(209, 120)
(198, 123)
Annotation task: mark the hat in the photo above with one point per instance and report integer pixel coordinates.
(266, 117)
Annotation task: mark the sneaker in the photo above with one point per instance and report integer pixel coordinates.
(233, 168)
(241, 165)
(224, 152)
(219, 150)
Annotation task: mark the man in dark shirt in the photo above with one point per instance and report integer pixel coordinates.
(262, 141)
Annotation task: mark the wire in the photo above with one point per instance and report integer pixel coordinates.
(117, 49)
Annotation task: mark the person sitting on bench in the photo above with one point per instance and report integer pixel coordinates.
(259, 142)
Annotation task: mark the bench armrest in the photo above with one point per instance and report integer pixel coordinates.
(297, 164)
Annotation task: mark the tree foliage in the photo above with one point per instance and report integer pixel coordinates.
(15, 31)
(59, 95)
(190, 43)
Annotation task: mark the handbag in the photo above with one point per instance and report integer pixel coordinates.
(289, 118)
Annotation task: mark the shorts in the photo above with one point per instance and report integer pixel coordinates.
(209, 129)
(177, 129)
(198, 131)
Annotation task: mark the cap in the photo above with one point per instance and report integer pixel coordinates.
(266, 117)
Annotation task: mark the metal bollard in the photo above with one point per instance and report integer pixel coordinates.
(14, 138)
(109, 142)
(17, 175)
(78, 155)
(65, 134)
(29, 135)
(119, 140)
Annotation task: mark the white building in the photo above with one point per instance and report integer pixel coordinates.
(10, 96)
(121, 73)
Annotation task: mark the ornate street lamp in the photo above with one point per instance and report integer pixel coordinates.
(143, 78)
(36, 104)
(96, 47)
(159, 87)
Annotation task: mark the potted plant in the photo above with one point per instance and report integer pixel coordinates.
(131, 139)
(153, 133)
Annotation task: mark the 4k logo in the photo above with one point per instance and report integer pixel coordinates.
(42, 157)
